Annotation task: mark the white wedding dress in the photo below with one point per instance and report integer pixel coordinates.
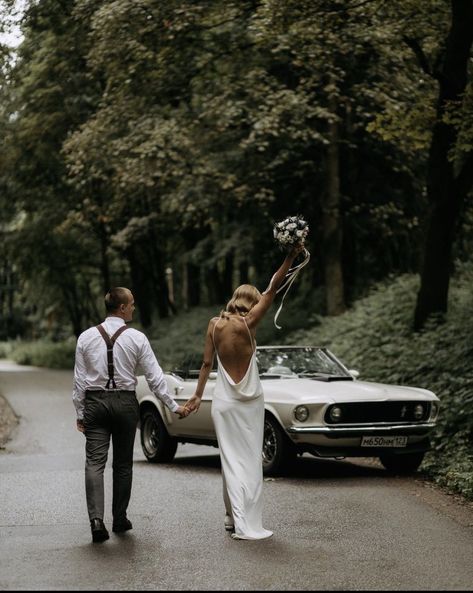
(238, 416)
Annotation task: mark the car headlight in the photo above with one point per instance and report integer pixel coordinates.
(301, 413)
(335, 413)
(418, 411)
(434, 410)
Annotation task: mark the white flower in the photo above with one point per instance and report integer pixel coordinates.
(291, 230)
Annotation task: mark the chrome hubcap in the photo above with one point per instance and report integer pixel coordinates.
(151, 438)
(269, 443)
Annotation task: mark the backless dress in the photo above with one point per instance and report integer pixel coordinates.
(238, 416)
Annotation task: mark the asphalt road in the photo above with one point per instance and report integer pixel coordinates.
(337, 525)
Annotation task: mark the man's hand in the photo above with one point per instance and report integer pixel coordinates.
(80, 425)
(193, 403)
(182, 411)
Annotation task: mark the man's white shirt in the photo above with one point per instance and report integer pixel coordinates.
(132, 348)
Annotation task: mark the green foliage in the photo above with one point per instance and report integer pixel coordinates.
(376, 338)
(460, 115)
(174, 338)
(44, 353)
(6, 349)
(137, 136)
(211, 119)
(46, 95)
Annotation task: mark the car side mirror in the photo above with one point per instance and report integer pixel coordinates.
(355, 374)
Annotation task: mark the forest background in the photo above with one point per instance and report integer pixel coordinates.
(154, 144)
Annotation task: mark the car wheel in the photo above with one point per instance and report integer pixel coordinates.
(156, 443)
(278, 452)
(406, 463)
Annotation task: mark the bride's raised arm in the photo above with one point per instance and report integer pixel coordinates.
(258, 311)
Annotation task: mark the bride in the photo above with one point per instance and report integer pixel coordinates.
(238, 405)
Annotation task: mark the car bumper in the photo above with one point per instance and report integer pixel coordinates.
(337, 432)
(344, 441)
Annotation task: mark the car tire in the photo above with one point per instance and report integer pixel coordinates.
(278, 451)
(406, 463)
(156, 443)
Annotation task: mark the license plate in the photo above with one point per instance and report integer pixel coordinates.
(383, 441)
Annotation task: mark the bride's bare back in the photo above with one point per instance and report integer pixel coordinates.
(232, 339)
(233, 345)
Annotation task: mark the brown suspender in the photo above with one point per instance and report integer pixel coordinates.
(110, 341)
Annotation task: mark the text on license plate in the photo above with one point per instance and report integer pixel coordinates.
(383, 441)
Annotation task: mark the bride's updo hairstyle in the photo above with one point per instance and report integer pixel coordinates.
(243, 300)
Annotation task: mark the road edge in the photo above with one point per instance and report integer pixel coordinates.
(8, 421)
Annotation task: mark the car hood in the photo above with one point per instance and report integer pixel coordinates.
(306, 390)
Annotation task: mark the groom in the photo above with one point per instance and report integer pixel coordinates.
(106, 405)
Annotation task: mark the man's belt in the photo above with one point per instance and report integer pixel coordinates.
(110, 391)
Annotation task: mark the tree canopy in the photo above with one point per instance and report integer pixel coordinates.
(142, 137)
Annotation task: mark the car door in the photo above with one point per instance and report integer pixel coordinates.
(197, 424)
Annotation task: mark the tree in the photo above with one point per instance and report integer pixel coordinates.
(48, 95)
(448, 180)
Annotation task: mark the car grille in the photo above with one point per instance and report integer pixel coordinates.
(378, 412)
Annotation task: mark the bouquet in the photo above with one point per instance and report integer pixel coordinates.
(290, 231)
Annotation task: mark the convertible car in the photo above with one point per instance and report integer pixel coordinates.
(313, 404)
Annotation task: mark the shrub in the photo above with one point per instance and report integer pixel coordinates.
(376, 338)
(6, 349)
(43, 353)
(174, 338)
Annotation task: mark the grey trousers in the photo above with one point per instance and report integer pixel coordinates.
(109, 414)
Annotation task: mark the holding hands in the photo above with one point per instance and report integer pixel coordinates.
(182, 411)
(193, 404)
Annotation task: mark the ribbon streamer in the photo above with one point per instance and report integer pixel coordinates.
(290, 277)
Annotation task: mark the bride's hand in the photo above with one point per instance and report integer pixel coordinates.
(296, 249)
(193, 403)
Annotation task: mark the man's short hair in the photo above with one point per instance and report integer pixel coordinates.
(115, 297)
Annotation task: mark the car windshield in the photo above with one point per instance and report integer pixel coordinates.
(307, 361)
(286, 361)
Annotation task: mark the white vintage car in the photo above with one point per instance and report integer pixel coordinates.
(313, 404)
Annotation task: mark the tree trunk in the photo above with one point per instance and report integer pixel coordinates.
(192, 237)
(244, 272)
(227, 278)
(212, 282)
(104, 266)
(140, 287)
(445, 191)
(332, 226)
(73, 308)
(193, 284)
(156, 264)
(160, 285)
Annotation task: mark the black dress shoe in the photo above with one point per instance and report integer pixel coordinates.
(99, 531)
(122, 525)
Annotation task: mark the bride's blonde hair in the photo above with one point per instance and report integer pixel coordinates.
(243, 300)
